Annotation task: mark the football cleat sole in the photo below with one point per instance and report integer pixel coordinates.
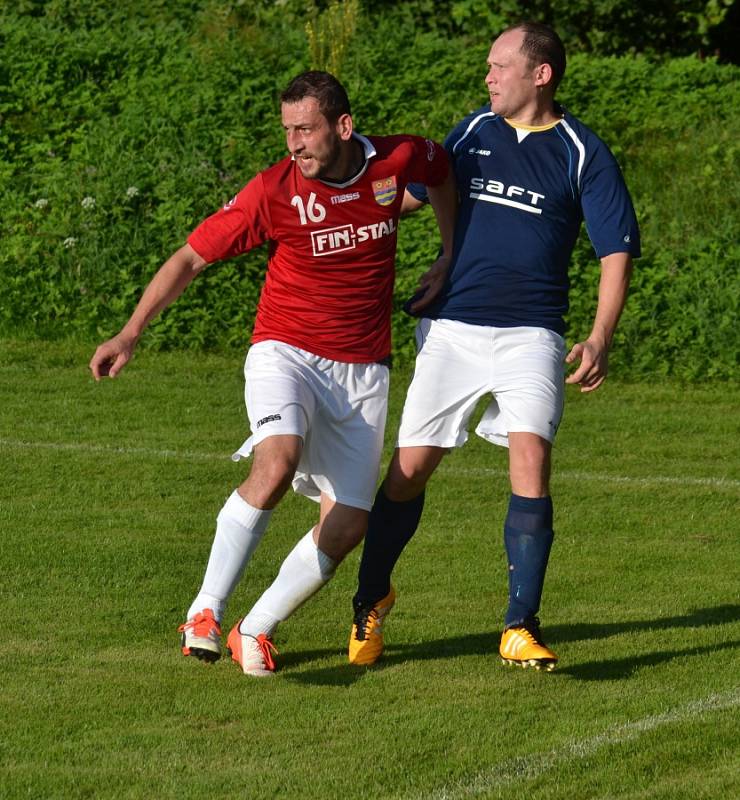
(531, 663)
(201, 653)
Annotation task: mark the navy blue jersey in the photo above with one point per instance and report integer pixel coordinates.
(523, 195)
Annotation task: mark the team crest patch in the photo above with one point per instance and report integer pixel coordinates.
(385, 191)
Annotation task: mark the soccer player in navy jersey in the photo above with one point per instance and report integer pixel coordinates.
(528, 173)
(316, 373)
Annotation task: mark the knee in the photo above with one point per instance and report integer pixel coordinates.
(276, 477)
(533, 458)
(269, 479)
(529, 465)
(409, 472)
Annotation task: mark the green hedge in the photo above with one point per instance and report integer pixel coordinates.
(120, 131)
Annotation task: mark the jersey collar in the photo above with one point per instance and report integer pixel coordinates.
(522, 131)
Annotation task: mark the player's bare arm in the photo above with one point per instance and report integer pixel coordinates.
(409, 204)
(444, 201)
(166, 286)
(616, 270)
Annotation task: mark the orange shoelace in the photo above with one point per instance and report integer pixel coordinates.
(266, 646)
(201, 624)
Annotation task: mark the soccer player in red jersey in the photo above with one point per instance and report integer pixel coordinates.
(317, 370)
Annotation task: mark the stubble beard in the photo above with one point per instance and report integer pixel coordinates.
(326, 169)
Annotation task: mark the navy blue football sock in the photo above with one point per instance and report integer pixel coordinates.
(528, 536)
(390, 527)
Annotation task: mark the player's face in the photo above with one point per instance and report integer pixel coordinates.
(314, 143)
(512, 81)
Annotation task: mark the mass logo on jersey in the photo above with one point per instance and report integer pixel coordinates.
(385, 191)
(344, 198)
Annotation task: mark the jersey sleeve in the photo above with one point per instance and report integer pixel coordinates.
(429, 168)
(608, 212)
(419, 190)
(243, 223)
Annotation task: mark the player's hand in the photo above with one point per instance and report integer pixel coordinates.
(593, 367)
(430, 285)
(111, 357)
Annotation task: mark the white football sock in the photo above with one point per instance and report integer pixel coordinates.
(239, 528)
(305, 570)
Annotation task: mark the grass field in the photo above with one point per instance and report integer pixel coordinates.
(107, 504)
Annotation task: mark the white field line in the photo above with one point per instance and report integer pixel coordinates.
(507, 772)
(86, 447)
(646, 480)
(600, 477)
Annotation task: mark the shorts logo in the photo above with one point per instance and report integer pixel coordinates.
(270, 418)
(385, 191)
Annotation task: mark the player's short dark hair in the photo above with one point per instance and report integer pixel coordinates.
(324, 87)
(542, 45)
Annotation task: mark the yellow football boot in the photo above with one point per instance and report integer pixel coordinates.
(522, 646)
(366, 639)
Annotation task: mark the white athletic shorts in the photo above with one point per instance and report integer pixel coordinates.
(457, 363)
(337, 408)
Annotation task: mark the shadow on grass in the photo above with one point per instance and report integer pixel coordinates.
(625, 667)
(698, 618)
(476, 644)
(346, 674)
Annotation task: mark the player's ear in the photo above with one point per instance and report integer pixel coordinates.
(543, 75)
(343, 127)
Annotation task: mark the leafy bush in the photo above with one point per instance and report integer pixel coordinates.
(120, 130)
(116, 140)
(601, 27)
(672, 128)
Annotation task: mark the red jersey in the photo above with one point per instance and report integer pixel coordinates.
(332, 247)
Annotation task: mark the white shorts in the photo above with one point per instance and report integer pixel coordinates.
(337, 408)
(522, 368)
